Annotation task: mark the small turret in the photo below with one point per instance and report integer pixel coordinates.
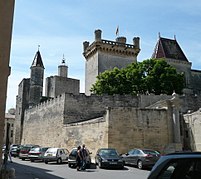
(98, 35)
(63, 69)
(85, 45)
(136, 42)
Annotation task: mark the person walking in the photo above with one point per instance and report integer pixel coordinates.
(79, 158)
(84, 157)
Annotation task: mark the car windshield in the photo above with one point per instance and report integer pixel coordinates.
(108, 152)
(52, 150)
(35, 149)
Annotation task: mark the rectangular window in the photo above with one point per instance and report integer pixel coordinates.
(11, 133)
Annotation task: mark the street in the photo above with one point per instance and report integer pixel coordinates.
(40, 170)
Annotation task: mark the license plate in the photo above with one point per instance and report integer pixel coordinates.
(113, 163)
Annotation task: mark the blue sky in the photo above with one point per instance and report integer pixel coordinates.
(61, 26)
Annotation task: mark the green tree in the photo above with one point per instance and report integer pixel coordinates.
(150, 76)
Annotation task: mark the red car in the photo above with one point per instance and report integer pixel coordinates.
(25, 150)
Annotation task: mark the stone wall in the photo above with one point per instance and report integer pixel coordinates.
(92, 133)
(122, 128)
(196, 81)
(138, 128)
(103, 121)
(43, 124)
(194, 129)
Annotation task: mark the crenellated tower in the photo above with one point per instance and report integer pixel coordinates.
(104, 55)
(36, 80)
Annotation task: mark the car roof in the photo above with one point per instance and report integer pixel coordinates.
(107, 149)
(173, 156)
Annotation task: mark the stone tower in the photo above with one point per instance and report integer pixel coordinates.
(103, 55)
(36, 80)
(58, 84)
(63, 69)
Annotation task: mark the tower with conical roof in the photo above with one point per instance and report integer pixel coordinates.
(36, 80)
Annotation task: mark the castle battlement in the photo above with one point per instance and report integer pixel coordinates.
(47, 103)
(118, 47)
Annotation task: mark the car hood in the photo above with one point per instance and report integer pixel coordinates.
(109, 157)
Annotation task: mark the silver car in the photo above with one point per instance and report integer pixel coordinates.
(56, 155)
(141, 157)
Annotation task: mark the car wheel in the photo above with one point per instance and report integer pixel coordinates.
(46, 162)
(32, 160)
(23, 158)
(69, 165)
(139, 164)
(59, 160)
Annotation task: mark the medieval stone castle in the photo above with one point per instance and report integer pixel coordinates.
(66, 118)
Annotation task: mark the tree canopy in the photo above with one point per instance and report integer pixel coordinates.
(150, 76)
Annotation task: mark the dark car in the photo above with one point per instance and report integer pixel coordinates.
(185, 165)
(25, 150)
(141, 157)
(108, 158)
(37, 153)
(72, 158)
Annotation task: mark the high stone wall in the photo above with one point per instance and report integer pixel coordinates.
(138, 128)
(71, 120)
(43, 124)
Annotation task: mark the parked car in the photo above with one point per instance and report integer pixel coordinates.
(72, 158)
(56, 155)
(37, 153)
(15, 150)
(25, 150)
(141, 157)
(3, 148)
(108, 158)
(185, 165)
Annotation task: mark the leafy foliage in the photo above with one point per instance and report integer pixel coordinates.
(150, 76)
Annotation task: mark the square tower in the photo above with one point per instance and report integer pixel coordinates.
(104, 55)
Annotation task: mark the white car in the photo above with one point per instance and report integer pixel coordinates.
(56, 155)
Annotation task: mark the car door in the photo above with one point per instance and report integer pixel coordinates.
(135, 156)
(129, 157)
(62, 154)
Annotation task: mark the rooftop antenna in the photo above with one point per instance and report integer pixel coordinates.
(159, 35)
(175, 37)
(63, 60)
(38, 47)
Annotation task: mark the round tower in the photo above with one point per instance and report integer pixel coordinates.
(36, 80)
(63, 69)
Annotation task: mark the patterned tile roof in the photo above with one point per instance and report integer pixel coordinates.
(168, 48)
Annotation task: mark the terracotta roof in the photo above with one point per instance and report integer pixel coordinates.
(168, 48)
(37, 60)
